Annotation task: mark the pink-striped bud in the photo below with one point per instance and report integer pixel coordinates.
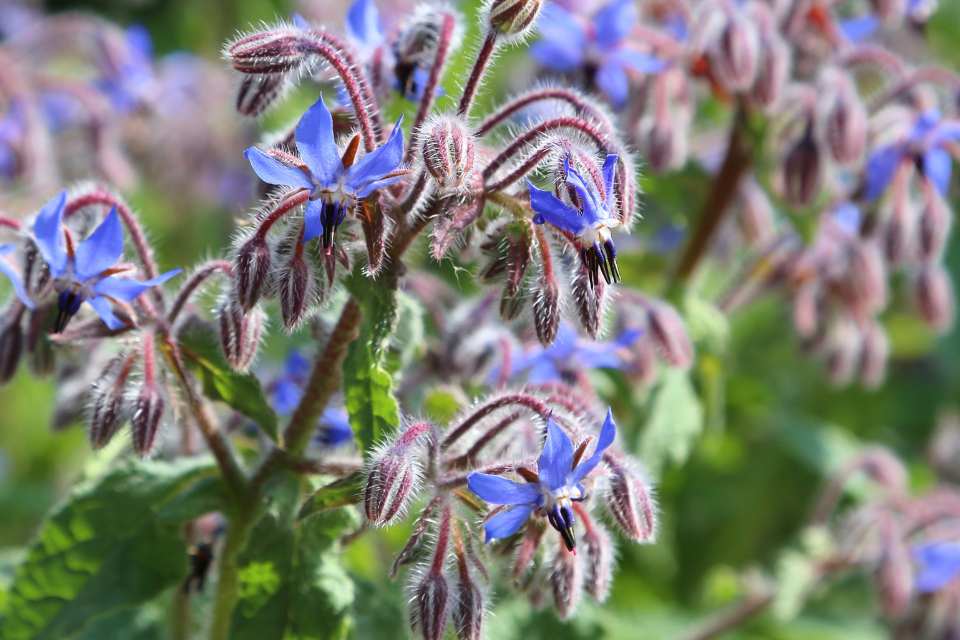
(512, 18)
(669, 335)
(733, 53)
(449, 152)
(275, 51)
(875, 352)
(934, 226)
(598, 561)
(756, 213)
(846, 125)
(258, 91)
(590, 300)
(295, 289)
(392, 476)
(11, 342)
(532, 536)
(897, 239)
(566, 582)
(252, 267)
(511, 306)
(866, 281)
(431, 606)
(145, 418)
(773, 70)
(106, 416)
(934, 295)
(546, 309)
(802, 170)
(630, 501)
(239, 333)
(468, 608)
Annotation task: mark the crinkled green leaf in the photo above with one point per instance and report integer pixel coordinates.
(674, 422)
(291, 581)
(115, 543)
(339, 493)
(144, 623)
(242, 391)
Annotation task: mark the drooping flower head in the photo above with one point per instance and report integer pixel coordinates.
(600, 46)
(84, 272)
(938, 565)
(336, 182)
(591, 226)
(925, 146)
(551, 491)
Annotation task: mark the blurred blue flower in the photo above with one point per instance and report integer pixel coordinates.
(559, 475)
(335, 183)
(287, 390)
(924, 146)
(84, 273)
(939, 565)
(12, 132)
(856, 29)
(569, 354)
(7, 269)
(591, 227)
(364, 26)
(129, 82)
(601, 47)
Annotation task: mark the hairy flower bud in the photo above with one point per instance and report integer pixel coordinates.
(145, 418)
(391, 478)
(669, 334)
(295, 289)
(846, 124)
(590, 300)
(431, 606)
(453, 221)
(467, 608)
(875, 351)
(630, 501)
(106, 416)
(934, 226)
(566, 582)
(273, 51)
(512, 18)
(842, 347)
(598, 560)
(773, 70)
(258, 92)
(756, 213)
(239, 333)
(733, 53)
(802, 170)
(252, 266)
(866, 281)
(546, 309)
(11, 342)
(934, 295)
(449, 152)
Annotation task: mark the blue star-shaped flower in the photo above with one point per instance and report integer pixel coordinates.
(591, 227)
(924, 146)
(939, 565)
(335, 183)
(84, 273)
(601, 46)
(560, 472)
(130, 82)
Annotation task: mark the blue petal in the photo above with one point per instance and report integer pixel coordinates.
(947, 131)
(297, 366)
(127, 290)
(937, 167)
(627, 57)
(556, 461)
(881, 166)
(614, 22)
(543, 371)
(368, 174)
(856, 29)
(848, 217)
(499, 490)
(599, 355)
(312, 220)
(8, 270)
(102, 306)
(586, 191)
(609, 172)
(140, 42)
(560, 27)
(612, 81)
(48, 232)
(299, 21)
(286, 396)
(101, 249)
(557, 56)
(550, 208)
(607, 435)
(316, 144)
(507, 523)
(926, 123)
(364, 24)
(273, 171)
(940, 565)
(335, 428)
(627, 337)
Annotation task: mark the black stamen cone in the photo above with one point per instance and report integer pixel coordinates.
(597, 263)
(68, 303)
(566, 532)
(331, 219)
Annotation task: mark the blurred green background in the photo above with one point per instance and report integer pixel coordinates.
(774, 428)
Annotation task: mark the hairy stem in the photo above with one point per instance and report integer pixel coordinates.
(476, 74)
(196, 280)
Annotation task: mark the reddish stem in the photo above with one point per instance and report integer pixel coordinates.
(564, 95)
(193, 283)
(937, 75)
(12, 223)
(287, 204)
(491, 406)
(532, 134)
(476, 74)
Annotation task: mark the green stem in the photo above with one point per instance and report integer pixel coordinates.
(228, 583)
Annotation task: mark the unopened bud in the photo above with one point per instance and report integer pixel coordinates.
(512, 18)
(393, 474)
(11, 342)
(733, 54)
(843, 345)
(773, 70)
(468, 609)
(546, 309)
(934, 226)
(274, 51)
(41, 356)
(566, 582)
(430, 602)
(802, 171)
(756, 213)
(106, 416)
(669, 335)
(867, 276)
(453, 222)
(449, 153)
(590, 300)
(846, 126)
(934, 295)
(598, 558)
(239, 333)
(258, 92)
(511, 306)
(897, 240)
(875, 352)
(295, 290)
(518, 258)
(252, 266)
(532, 535)
(145, 418)
(630, 501)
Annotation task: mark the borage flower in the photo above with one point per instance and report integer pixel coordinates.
(591, 227)
(939, 565)
(551, 491)
(925, 146)
(335, 182)
(85, 272)
(601, 47)
(127, 79)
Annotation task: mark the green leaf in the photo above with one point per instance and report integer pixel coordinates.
(144, 623)
(291, 581)
(115, 543)
(368, 387)
(340, 493)
(242, 391)
(675, 421)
